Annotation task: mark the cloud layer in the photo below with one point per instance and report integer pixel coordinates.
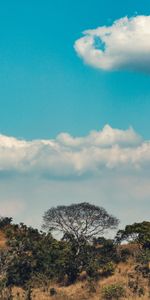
(109, 168)
(124, 45)
(67, 156)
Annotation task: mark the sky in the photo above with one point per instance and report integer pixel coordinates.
(74, 107)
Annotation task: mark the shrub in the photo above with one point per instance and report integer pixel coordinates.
(113, 291)
(108, 269)
(91, 286)
(4, 222)
(125, 253)
(92, 270)
(53, 292)
(141, 292)
(143, 259)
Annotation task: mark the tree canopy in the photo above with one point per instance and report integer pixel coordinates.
(137, 232)
(82, 221)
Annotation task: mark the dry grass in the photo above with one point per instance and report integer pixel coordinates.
(82, 290)
(2, 240)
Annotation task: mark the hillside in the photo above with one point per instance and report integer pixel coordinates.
(85, 290)
(34, 265)
(2, 240)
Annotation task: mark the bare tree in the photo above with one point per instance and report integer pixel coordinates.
(82, 221)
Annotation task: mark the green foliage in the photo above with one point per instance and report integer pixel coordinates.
(33, 257)
(143, 265)
(125, 253)
(108, 269)
(137, 232)
(106, 250)
(31, 252)
(144, 257)
(141, 292)
(106, 255)
(4, 222)
(91, 286)
(113, 291)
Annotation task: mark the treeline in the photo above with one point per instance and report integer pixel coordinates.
(36, 257)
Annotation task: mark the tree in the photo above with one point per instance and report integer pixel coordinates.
(81, 221)
(29, 253)
(5, 222)
(137, 232)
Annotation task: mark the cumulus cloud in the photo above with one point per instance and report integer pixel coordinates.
(67, 156)
(109, 167)
(124, 45)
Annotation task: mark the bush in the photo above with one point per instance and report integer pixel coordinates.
(113, 291)
(141, 292)
(108, 269)
(4, 222)
(143, 259)
(53, 292)
(91, 286)
(125, 253)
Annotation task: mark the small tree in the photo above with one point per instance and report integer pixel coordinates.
(137, 232)
(81, 221)
(5, 221)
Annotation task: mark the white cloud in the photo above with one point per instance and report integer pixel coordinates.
(67, 156)
(110, 168)
(124, 45)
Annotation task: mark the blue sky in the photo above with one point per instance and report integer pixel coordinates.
(45, 88)
(52, 92)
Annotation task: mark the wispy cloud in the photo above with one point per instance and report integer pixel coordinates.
(67, 156)
(124, 45)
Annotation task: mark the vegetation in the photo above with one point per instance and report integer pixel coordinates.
(79, 222)
(113, 291)
(36, 259)
(138, 232)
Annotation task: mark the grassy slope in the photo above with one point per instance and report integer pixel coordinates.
(81, 290)
(2, 240)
